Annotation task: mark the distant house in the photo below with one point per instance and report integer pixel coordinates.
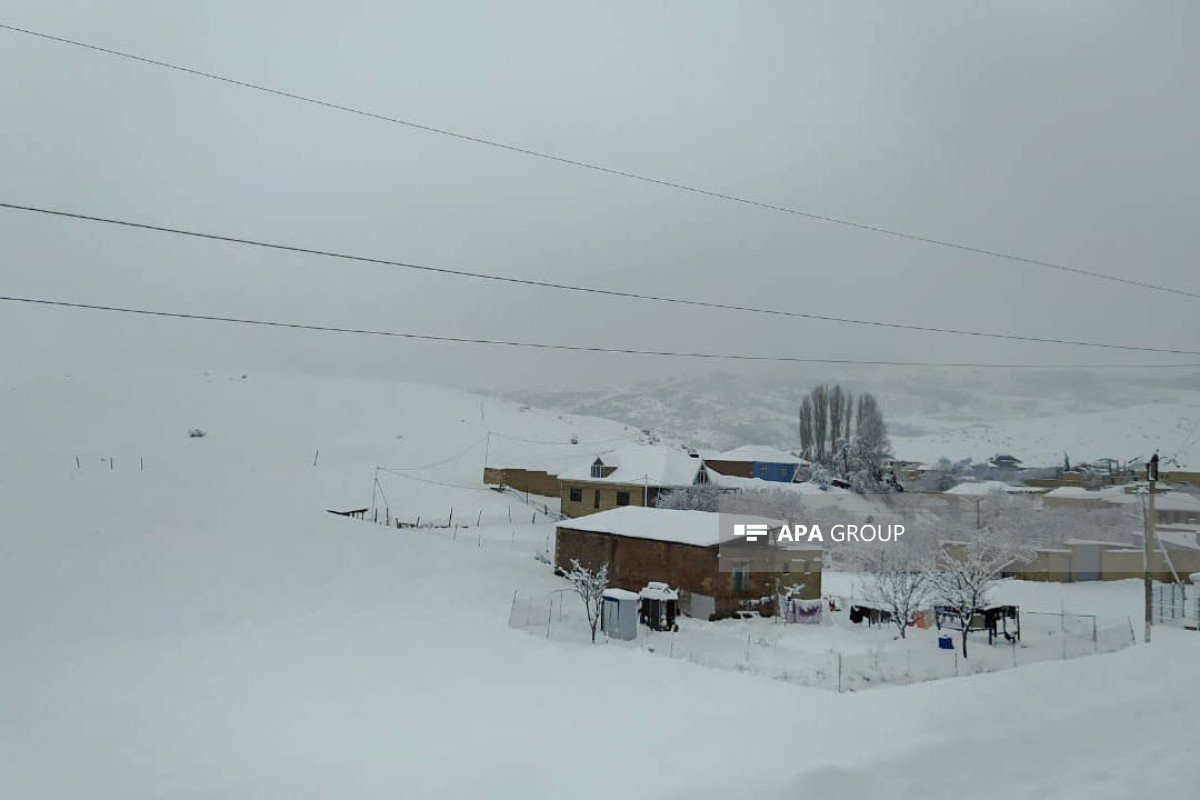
(632, 475)
(1003, 461)
(681, 549)
(967, 493)
(756, 461)
(1170, 508)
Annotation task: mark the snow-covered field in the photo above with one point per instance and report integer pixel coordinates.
(182, 618)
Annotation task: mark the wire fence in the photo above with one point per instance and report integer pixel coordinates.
(480, 532)
(833, 655)
(461, 518)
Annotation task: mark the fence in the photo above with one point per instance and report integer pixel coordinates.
(459, 519)
(808, 655)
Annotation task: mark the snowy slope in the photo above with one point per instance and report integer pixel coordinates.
(1033, 416)
(1124, 434)
(201, 628)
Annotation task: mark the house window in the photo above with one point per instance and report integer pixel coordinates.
(596, 499)
(622, 498)
(701, 477)
(577, 495)
(598, 469)
(741, 578)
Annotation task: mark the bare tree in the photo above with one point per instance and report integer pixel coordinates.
(806, 428)
(820, 408)
(590, 586)
(899, 580)
(967, 572)
(837, 407)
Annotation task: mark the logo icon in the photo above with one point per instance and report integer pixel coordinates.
(750, 532)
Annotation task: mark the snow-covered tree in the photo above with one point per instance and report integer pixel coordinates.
(690, 498)
(966, 573)
(589, 585)
(847, 436)
(898, 580)
(945, 474)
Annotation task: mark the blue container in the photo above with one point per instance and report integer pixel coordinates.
(945, 642)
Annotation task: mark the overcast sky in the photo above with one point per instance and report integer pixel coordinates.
(1063, 131)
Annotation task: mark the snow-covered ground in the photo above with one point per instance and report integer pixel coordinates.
(1041, 440)
(186, 620)
(1033, 417)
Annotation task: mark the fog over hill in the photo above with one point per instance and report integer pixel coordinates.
(1036, 415)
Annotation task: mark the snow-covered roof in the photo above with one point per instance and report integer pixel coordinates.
(1111, 494)
(656, 590)
(620, 594)
(1176, 501)
(975, 488)
(763, 454)
(651, 465)
(1163, 501)
(752, 484)
(699, 528)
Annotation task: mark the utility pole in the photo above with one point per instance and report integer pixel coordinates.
(978, 514)
(1147, 535)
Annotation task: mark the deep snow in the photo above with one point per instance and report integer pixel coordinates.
(202, 628)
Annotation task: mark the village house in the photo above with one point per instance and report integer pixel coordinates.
(966, 494)
(1081, 560)
(1004, 461)
(756, 461)
(632, 475)
(1170, 508)
(683, 550)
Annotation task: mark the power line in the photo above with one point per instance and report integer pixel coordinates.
(570, 348)
(460, 454)
(606, 170)
(217, 237)
(628, 438)
(428, 480)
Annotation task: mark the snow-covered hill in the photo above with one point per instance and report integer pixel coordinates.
(1036, 417)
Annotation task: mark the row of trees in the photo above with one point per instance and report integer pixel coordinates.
(845, 437)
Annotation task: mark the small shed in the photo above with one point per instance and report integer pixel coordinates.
(619, 614)
(659, 606)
